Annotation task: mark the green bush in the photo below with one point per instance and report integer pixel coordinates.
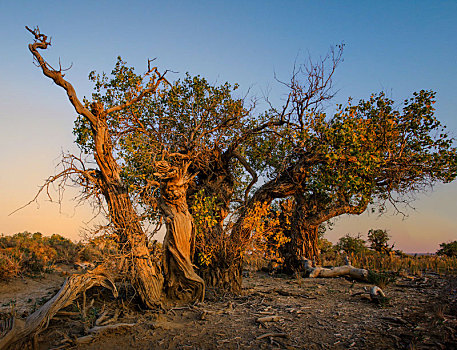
(325, 246)
(448, 249)
(381, 279)
(350, 244)
(379, 240)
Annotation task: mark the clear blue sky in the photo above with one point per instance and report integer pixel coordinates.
(395, 46)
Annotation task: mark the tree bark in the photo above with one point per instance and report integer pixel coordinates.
(223, 278)
(337, 271)
(182, 283)
(302, 245)
(310, 212)
(146, 274)
(17, 330)
(147, 277)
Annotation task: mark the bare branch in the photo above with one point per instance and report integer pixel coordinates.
(251, 171)
(41, 42)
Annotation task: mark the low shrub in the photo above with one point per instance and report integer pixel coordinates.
(9, 266)
(32, 254)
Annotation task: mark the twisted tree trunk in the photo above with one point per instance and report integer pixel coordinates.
(303, 235)
(312, 210)
(146, 274)
(182, 283)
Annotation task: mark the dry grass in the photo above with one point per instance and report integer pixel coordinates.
(396, 262)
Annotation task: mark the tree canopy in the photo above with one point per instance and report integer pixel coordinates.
(193, 156)
(367, 153)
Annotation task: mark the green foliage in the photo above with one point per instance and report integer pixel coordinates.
(123, 85)
(379, 240)
(448, 249)
(189, 119)
(364, 153)
(350, 244)
(325, 246)
(205, 214)
(204, 211)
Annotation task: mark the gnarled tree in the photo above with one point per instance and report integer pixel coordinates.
(106, 179)
(98, 130)
(182, 283)
(205, 125)
(369, 153)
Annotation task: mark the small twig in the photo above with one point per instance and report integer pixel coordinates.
(273, 318)
(103, 317)
(271, 335)
(99, 329)
(111, 320)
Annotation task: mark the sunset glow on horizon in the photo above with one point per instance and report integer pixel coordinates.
(394, 47)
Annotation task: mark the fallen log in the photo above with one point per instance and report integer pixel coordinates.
(345, 270)
(14, 329)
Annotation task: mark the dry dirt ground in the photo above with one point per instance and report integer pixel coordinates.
(274, 312)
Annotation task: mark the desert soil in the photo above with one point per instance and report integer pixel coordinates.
(274, 312)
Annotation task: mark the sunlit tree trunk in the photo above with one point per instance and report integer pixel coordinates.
(182, 283)
(311, 211)
(146, 274)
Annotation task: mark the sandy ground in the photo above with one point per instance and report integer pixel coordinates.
(421, 313)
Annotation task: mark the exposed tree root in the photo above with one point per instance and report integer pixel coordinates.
(15, 330)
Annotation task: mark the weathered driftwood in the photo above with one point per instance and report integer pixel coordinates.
(15, 329)
(345, 270)
(376, 293)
